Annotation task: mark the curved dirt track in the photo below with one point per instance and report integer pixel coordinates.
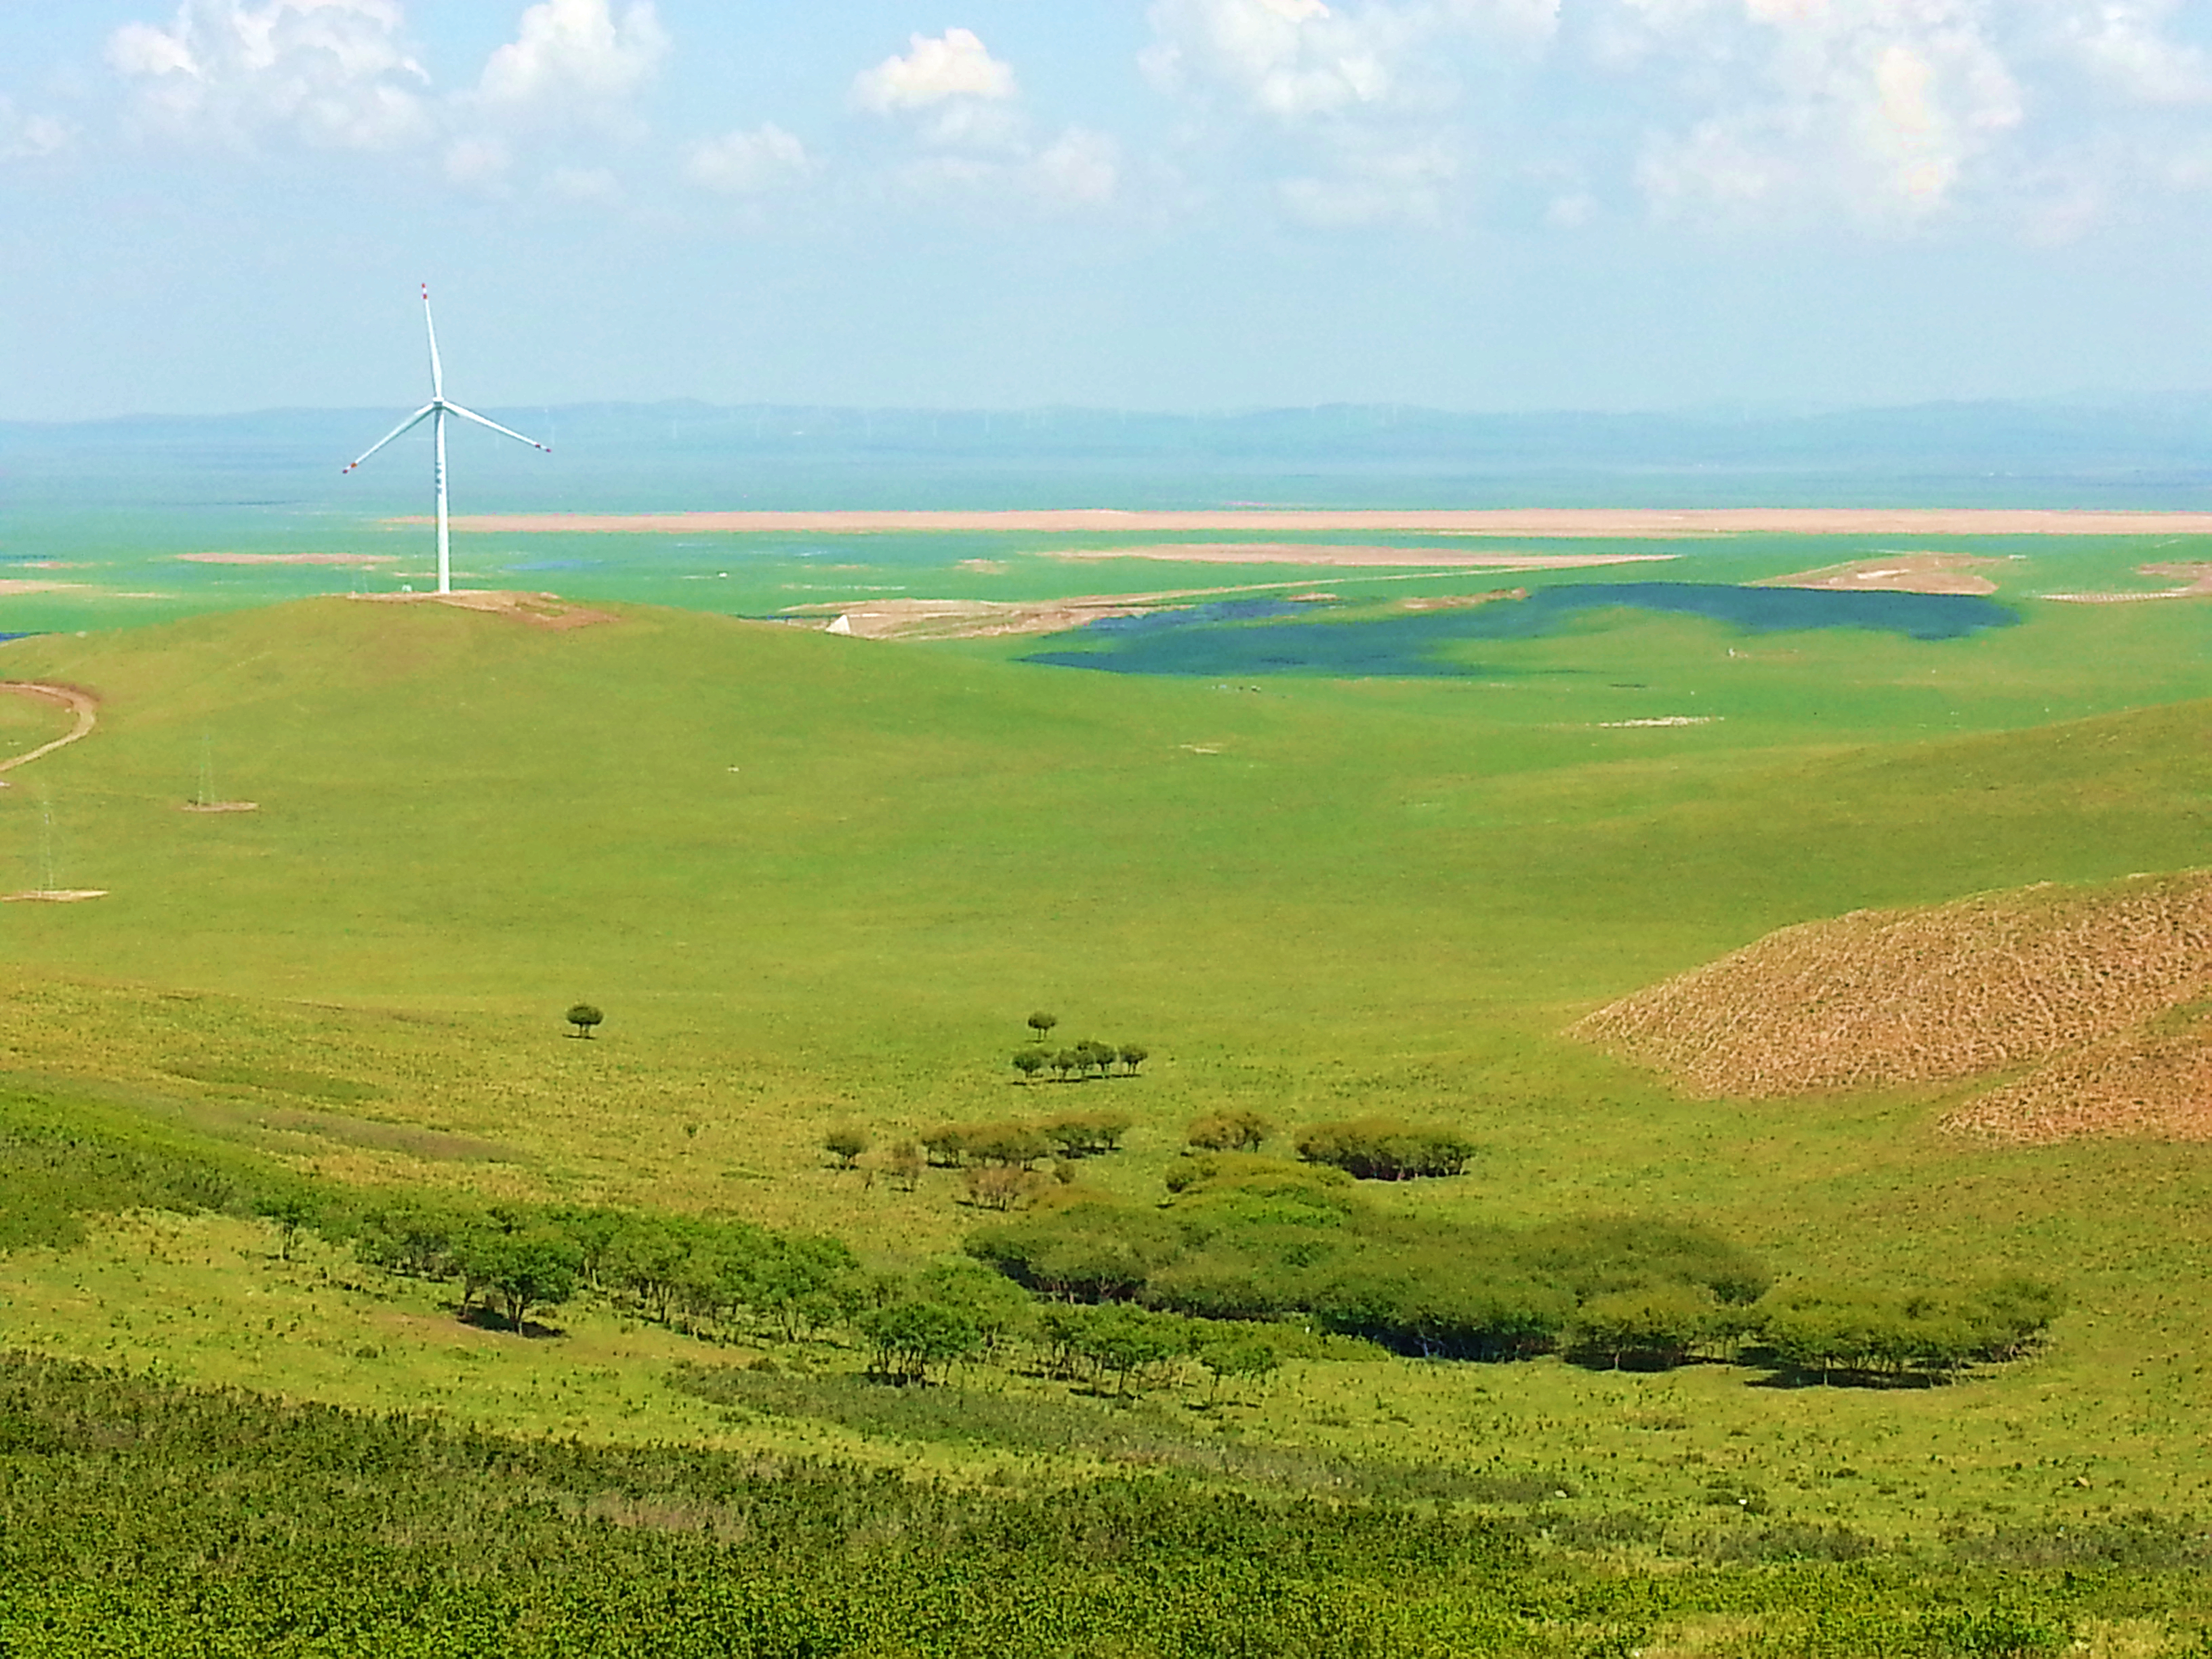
(84, 704)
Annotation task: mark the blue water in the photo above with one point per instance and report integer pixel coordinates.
(1256, 641)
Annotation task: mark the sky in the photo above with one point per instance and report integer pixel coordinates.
(1179, 205)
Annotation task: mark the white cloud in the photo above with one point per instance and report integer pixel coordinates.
(567, 50)
(1362, 111)
(954, 65)
(2125, 43)
(478, 162)
(28, 137)
(333, 73)
(596, 185)
(1882, 107)
(1298, 59)
(1377, 185)
(1079, 169)
(976, 137)
(750, 163)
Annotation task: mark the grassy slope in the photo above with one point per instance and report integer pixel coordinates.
(1372, 895)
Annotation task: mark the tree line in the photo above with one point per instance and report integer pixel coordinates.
(1367, 1149)
(1255, 1239)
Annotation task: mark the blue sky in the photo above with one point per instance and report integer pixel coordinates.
(1481, 204)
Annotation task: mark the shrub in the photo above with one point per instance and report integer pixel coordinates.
(1085, 1134)
(1089, 1251)
(1383, 1149)
(1659, 1325)
(905, 1162)
(998, 1186)
(1599, 1255)
(1829, 1331)
(1430, 1306)
(845, 1144)
(1228, 1132)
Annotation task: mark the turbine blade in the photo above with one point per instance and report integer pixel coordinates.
(471, 415)
(414, 420)
(437, 369)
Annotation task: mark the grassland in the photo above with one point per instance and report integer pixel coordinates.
(816, 881)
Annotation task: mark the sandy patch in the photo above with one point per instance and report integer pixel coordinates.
(289, 558)
(966, 619)
(1659, 719)
(1543, 521)
(542, 610)
(2196, 580)
(55, 896)
(984, 566)
(1458, 601)
(1897, 573)
(25, 585)
(220, 806)
(81, 703)
(1356, 558)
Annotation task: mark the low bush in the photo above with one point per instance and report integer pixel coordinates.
(1228, 1132)
(1086, 1134)
(1850, 1333)
(1383, 1149)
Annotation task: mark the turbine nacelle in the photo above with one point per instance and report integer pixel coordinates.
(435, 412)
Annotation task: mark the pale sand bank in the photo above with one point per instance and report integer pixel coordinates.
(1898, 573)
(288, 558)
(1311, 554)
(1538, 521)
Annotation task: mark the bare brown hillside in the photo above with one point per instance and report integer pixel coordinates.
(2139, 1082)
(1985, 984)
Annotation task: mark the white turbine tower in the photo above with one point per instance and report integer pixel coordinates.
(435, 411)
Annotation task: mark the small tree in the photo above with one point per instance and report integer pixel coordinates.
(289, 1212)
(583, 1017)
(1030, 1062)
(533, 1269)
(1240, 1352)
(1134, 1054)
(845, 1144)
(905, 1163)
(1042, 1023)
(908, 1338)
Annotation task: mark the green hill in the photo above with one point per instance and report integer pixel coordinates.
(816, 882)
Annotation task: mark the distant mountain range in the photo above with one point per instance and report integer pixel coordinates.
(2152, 453)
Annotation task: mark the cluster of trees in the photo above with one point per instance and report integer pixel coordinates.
(709, 1275)
(1384, 1149)
(1084, 1060)
(1250, 1238)
(1888, 1335)
(1023, 1145)
(1367, 1149)
(1131, 1346)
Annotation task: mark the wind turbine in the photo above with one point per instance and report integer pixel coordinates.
(435, 411)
